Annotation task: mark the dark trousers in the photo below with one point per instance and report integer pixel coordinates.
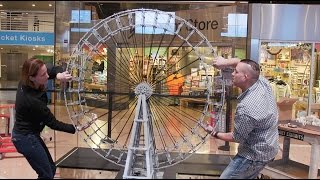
(36, 152)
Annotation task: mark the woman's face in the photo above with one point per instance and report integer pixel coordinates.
(41, 78)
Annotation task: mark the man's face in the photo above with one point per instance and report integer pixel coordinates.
(239, 77)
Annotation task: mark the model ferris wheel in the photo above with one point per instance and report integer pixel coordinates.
(153, 61)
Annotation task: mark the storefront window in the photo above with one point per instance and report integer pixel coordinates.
(288, 66)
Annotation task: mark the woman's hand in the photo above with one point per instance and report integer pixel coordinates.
(82, 127)
(93, 117)
(64, 76)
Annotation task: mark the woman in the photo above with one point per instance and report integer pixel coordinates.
(32, 115)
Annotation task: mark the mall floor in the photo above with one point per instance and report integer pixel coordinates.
(15, 166)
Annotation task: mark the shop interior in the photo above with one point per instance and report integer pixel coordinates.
(288, 65)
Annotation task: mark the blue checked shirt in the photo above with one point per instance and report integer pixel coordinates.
(256, 123)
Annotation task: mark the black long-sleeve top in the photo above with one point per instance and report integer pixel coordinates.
(32, 113)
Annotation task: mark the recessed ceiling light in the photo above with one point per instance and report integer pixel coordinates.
(33, 5)
(50, 5)
(1, 5)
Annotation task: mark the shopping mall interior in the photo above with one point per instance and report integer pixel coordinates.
(143, 84)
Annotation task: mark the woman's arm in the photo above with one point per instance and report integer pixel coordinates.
(57, 72)
(44, 114)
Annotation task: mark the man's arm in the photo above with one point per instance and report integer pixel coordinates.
(219, 135)
(220, 62)
(225, 136)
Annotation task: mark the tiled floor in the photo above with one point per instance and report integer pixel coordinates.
(14, 166)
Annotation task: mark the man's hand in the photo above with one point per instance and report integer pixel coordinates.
(64, 77)
(219, 62)
(207, 128)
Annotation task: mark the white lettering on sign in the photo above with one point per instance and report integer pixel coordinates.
(291, 135)
(32, 39)
(8, 38)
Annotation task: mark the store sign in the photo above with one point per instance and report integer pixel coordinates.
(203, 24)
(207, 21)
(26, 38)
(291, 135)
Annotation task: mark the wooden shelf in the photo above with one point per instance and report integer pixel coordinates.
(194, 88)
(95, 86)
(185, 101)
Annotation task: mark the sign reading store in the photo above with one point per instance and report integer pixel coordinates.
(26, 38)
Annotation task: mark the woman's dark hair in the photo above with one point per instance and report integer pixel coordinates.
(30, 68)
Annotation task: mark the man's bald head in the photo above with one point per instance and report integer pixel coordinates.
(251, 68)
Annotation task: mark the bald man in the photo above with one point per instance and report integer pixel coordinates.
(255, 122)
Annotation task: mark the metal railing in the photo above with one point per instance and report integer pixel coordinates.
(27, 21)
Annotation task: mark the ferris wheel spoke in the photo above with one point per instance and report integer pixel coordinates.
(186, 112)
(187, 65)
(162, 128)
(123, 71)
(169, 118)
(126, 117)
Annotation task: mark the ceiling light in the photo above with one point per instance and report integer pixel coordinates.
(50, 5)
(1, 5)
(33, 5)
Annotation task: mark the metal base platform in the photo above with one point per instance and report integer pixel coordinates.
(79, 159)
